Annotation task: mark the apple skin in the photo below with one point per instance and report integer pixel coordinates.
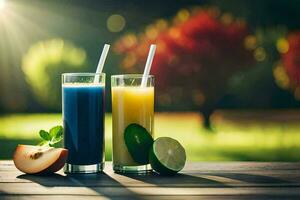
(38, 159)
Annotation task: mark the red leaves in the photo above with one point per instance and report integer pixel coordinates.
(291, 59)
(199, 53)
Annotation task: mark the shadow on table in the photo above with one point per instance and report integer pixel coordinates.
(177, 180)
(101, 183)
(251, 178)
(204, 180)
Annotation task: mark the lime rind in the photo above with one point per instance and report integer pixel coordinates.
(157, 166)
(167, 156)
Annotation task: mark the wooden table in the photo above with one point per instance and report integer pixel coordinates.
(201, 180)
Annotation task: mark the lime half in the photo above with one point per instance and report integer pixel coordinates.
(167, 156)
(138, 141)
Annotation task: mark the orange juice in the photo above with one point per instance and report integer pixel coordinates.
(130, 104)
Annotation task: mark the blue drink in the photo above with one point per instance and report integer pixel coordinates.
(83, 119)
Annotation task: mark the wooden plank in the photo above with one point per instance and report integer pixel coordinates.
(157, 197)
(199, 167)
(216, 178)
(237, 180)
(57, 197)
(203, 167)
(144, 191)
(180, 180)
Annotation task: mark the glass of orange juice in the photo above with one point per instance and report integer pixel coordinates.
(131, 103)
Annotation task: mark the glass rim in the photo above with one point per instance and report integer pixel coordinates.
(131, 76)
(83, 74)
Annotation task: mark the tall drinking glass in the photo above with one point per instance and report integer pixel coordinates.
(131, 103)
(83, 96)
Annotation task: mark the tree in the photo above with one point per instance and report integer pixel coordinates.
(197, 51)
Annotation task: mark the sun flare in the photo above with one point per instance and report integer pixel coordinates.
(2, 4)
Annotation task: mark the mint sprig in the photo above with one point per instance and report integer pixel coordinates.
(54, 136)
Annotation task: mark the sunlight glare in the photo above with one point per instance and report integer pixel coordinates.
(2, 4)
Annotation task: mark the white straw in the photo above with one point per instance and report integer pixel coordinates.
(148, 65)
(101, 62)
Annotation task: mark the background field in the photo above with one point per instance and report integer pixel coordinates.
(243, 136)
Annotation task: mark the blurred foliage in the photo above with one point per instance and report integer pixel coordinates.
(90, 24)
(197, 51)
(287, 72)
(242, 136)
(274, 79)
(255, 87)
(43, 65)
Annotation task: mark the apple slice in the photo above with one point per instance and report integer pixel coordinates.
(39, 159)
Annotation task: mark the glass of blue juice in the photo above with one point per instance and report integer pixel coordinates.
(83, 96)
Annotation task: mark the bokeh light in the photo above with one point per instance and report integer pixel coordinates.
(282, 45)
(151, 32)
(161, 24)
(129, 61)
(116, 23)
(227, 18)
(130, 40)
(260, 54)
(250, 42)
(281, 77)
(182, 16)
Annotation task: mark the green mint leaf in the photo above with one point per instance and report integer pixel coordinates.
(45, 135)
(57, 135)
(51, 145)
(56, 139)
(52, 138)
(56, 132)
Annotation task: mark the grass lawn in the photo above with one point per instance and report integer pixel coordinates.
(258, 136)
